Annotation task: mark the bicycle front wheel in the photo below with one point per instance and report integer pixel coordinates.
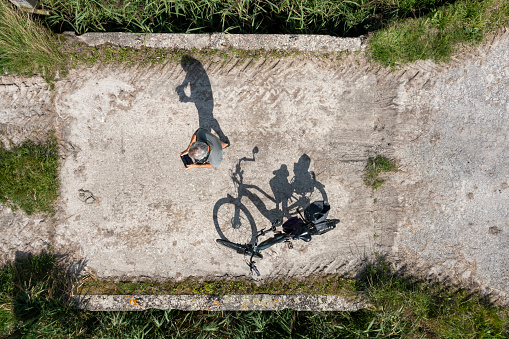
(241, 249)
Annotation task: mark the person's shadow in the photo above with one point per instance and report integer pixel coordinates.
(298, 191)
(200, 94)
(304, 181)
(281, 188)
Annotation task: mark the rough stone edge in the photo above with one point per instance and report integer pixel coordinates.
(221, 41)
(258, 302)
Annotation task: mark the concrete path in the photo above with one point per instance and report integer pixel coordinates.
(301, 129)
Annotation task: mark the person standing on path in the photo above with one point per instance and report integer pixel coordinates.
(205, 149)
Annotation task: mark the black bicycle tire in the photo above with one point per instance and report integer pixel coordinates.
(248, 215)
(236, 247)
(336, 221)
(241, 249)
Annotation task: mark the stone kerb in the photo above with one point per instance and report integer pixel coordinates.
(287, 42)
(259, 302)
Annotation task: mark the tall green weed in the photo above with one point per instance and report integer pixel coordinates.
(334, 17)
(27, 47)
(409, 306)
(35, 300)
(35, 295)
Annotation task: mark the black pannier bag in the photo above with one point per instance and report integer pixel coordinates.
(293, 226)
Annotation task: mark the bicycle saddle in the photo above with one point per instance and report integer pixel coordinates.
(304, 235)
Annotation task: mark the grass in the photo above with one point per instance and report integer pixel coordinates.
(35, 298)
(334, 17)
(437, 35)
(29, 176)
(26, 46)
(375, 167)
(431, 310)
(401, 31)
(35, 290)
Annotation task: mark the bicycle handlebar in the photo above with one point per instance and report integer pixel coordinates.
(252, 266)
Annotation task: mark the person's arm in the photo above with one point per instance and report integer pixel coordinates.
(193, 139)
(206, 165)
(181, 91)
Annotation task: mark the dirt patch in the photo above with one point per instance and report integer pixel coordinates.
(26, 110)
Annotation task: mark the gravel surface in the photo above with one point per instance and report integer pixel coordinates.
(457, 221)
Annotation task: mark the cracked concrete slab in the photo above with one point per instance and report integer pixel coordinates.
(150, 214)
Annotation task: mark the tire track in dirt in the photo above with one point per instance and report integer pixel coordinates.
(25, 109)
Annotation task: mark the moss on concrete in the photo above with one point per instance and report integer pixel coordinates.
(313, 285)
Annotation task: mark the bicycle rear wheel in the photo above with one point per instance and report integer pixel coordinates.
(241, 249)
(326, 226)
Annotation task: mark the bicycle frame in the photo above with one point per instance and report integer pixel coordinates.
(277, 238)
(280, 237)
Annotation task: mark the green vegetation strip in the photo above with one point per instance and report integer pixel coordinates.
(27, 47)
(333, 17)
(35, 302)
(29, 176)
(403, 31)
(436, 35)
(320, 285)
(375, 167)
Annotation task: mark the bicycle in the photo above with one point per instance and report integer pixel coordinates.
(235, 223)
(313, 222)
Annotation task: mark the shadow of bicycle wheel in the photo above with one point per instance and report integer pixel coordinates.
(233, 221)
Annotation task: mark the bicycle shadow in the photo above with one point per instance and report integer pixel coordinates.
(200, 94)
(235, 223)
